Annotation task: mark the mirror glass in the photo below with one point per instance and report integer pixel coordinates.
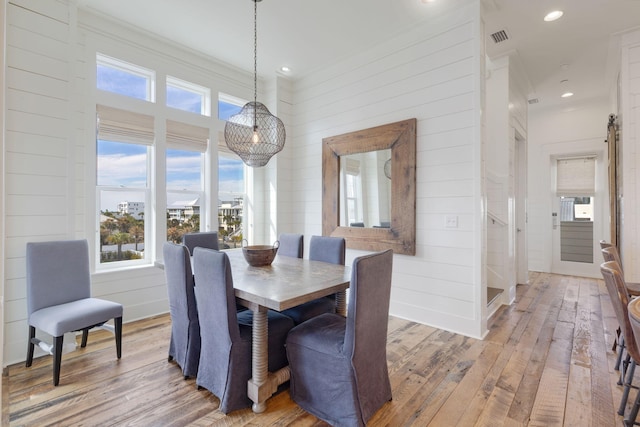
(365, 189)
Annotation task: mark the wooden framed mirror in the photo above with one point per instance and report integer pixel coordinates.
(400, 234)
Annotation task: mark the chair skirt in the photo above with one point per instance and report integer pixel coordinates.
(323, 380)
(185, 349)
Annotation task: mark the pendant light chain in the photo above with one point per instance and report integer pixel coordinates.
(255, 61)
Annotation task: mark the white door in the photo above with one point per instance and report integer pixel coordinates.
(577, 221)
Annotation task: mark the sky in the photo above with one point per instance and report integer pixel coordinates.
(124, 165)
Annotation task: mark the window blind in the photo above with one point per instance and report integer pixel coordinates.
(352, 166)
(576, 177)
(114, 124)
(189, 137)
(223, 148)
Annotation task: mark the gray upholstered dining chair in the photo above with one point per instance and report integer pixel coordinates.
(339, 365)
(203, 239)
(325, 249)
(226, 340)
(184, 346)
(291, 245)
(59, 298)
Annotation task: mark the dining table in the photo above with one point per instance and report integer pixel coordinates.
(287, 282)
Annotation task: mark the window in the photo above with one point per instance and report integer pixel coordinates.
(231, 181)
(130, 148)
(575, 187)
(188, 96)
(228, 106)
(123, 199)
(353, 181)
(231, 191)
(113, 75)
(186, 145)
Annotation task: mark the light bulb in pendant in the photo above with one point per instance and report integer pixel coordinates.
(255, 139)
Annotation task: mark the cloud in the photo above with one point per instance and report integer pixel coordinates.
(122, 170)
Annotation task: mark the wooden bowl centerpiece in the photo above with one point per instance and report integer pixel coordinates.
(260, 255)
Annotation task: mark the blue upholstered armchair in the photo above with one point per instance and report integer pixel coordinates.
(339, 365)
(59, 298)
(184, 346)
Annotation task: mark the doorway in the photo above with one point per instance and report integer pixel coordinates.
(578, 214)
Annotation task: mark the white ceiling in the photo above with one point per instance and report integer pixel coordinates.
(306, 35)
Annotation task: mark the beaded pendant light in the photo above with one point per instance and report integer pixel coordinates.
(254, 133)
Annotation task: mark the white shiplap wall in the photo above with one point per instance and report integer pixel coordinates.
(39, 146)
(433, 73)
(630, 118)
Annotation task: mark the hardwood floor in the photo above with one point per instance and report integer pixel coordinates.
(547, 361)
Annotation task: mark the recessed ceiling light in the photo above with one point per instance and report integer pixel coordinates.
(567, 94)
(285, 69)
(552, 16)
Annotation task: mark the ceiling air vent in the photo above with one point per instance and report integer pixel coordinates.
(499, 36)
(533, 101)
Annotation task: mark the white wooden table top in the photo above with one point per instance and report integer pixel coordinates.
(287, 282)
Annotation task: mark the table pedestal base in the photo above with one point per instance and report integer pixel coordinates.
(259, 393)
(263, 383)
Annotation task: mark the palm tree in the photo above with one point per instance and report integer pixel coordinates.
(104, 234)
(125, 222)
(194, 222)
(119, 239)
(137, 233)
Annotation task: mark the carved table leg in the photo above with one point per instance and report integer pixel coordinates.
(259, 362)
(341, 303)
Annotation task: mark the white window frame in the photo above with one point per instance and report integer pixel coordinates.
(354, 171)
(191, 194)
(156, 192)
(136, 70)
(148, 232)
(205, 93)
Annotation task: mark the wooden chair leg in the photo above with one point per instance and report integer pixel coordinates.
(85, 336)
(30, 345)
(57, 358)
(118, 331)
